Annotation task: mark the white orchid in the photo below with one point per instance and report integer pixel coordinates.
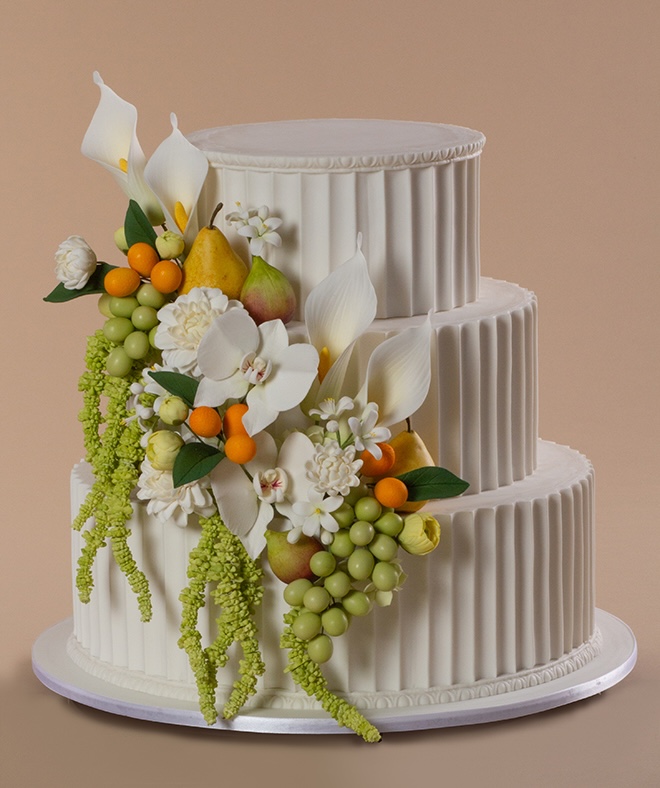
(111, 140)
(258, 226)
(239, 359)
(176, 173)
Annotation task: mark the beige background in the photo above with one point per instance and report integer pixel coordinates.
(566, 93)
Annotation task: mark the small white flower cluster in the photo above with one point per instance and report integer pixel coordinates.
(258, 226)
(334, 470)
(168, 502)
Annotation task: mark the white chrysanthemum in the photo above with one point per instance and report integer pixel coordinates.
(333, 469)
(184, 322)
(75, 262)
(166, 502)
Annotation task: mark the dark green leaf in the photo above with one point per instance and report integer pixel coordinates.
(429, 483)
(94, 286)
(177, 384)
(193, 461)
(137, 227)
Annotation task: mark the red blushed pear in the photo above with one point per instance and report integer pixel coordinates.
(289, 561)
(267, 294)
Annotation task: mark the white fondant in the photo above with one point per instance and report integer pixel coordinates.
(411, 189)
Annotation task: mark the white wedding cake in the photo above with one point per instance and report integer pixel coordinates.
(506, 600)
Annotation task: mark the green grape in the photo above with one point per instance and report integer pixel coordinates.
(117, 329)
(356, 603)
(306, 626)
(389, 523)
(136, 344)
(144, 318)
(344, 515)
(334, 621)
(337, 584)
(152, 336)
(293, 594)
(384, 547)
(147, 295)
(322, 563)
(355, 494)
(104, 305)
(123, 307)
(385, 576)
(341, 545)
(361, 533)
(118, 363)
(316, 599)
(361, 563)
(320, 649)
(368, 508)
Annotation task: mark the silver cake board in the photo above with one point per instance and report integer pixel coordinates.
(54, 668)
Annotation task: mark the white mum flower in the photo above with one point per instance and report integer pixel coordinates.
(367, 435)
(75, 262)
(184, 322)
(334, 470)
(166, 502)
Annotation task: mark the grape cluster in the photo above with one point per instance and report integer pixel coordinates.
(361, 558)
(131, 326)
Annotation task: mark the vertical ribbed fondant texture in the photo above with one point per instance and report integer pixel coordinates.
(509, 588)
(418, 213)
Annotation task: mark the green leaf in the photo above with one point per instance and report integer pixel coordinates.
(94, 286)
(177, 384)
(137, 227)
(429, 483)
(193, 461)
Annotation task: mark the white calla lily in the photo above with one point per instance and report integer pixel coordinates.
(176, 173)
(340, 308)
(111, 141)
(399, 374)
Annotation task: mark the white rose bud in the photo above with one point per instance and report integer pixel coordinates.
(169, 245)
(173, 410)
(75, 262)
(420, 534)
(162, 448)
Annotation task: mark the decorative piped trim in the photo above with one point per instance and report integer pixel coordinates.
(283, 699)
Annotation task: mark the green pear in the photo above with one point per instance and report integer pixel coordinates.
(212, 262)
(291, 561)
(410, 453)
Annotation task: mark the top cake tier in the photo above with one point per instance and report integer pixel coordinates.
(410, 189)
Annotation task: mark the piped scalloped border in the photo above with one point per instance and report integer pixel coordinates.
(282, 699)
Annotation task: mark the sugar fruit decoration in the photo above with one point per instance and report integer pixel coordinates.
(195, 366)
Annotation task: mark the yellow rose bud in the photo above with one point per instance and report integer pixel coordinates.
(420, 534)
(162, 448)
(173, 410)
(169, 245)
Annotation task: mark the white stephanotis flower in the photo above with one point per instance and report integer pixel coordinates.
(184, 322)
(166, 502)
(330, 410)
(111, 141)
(258, 226)
(316, 514)
(239, 359)
(334, 470)
(365, 432)
(75, 262)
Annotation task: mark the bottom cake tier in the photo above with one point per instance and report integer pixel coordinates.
(505, 602)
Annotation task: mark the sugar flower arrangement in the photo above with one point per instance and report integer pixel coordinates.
(213, 415)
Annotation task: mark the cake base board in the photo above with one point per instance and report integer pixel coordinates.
(55, 670)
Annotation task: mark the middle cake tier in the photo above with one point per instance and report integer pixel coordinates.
(479, 419)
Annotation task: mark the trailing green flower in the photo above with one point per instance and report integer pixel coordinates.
(221, 559)
(308, 675)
